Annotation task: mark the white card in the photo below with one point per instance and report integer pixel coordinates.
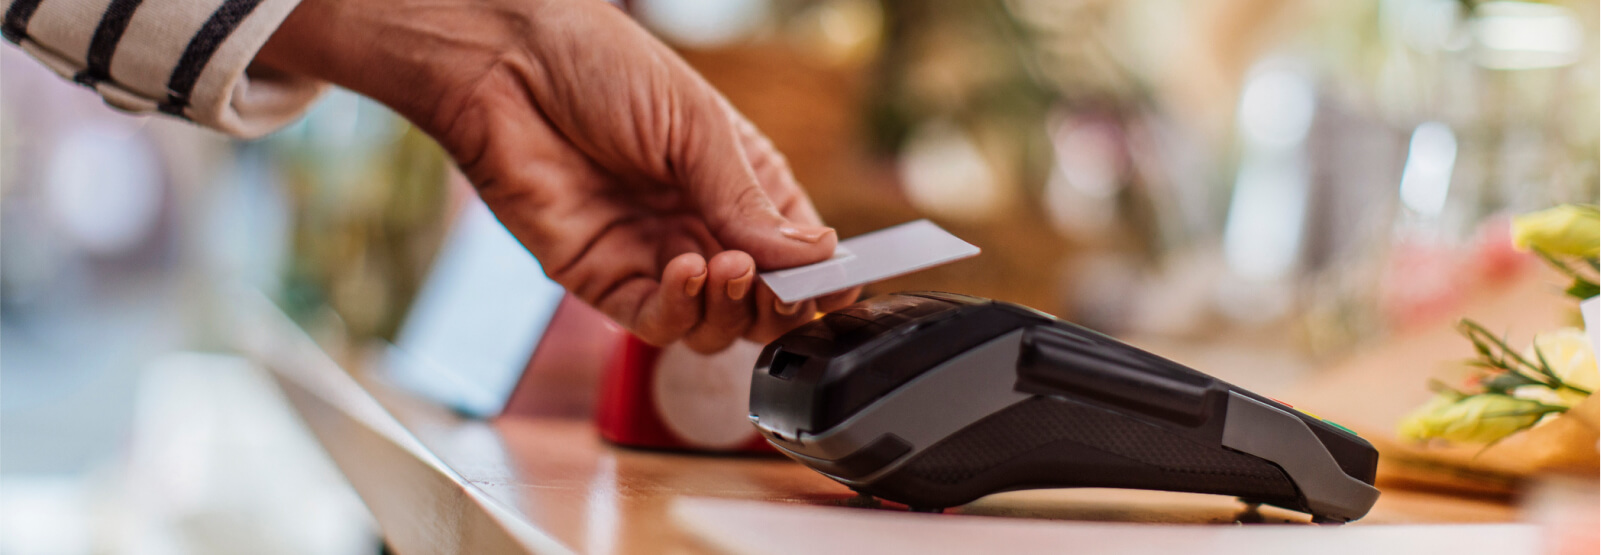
(876, 256)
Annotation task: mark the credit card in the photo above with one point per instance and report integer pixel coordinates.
(870, 257)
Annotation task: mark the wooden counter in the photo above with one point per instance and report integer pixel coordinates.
(440, 483)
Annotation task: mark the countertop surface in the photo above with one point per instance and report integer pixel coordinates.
(440, 483)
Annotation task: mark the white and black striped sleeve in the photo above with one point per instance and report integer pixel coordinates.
(182, 57)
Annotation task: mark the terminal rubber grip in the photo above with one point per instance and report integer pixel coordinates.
(1056, 362)
(1051, 442)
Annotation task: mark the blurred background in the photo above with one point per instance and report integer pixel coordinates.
(1255, 187)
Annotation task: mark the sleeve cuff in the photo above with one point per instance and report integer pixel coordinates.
(251, 104)
(187, 58)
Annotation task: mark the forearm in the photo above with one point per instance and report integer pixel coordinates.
(413, 56)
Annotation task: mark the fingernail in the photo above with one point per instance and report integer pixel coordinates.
(809, 235)
(692, 287)
(738, 287)
(785, 309)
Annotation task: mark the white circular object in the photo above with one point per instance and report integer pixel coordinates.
(104, 188)
(705, 399)
(1276, 108)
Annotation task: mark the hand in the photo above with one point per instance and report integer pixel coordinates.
(635, 184)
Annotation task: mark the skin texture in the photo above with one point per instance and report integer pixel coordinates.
(635, 184)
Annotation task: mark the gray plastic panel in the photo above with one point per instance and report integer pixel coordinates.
(1283, 439)
(927, 409)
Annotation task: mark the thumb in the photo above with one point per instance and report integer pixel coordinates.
(714, 170)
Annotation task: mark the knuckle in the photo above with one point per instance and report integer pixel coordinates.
(749, 198)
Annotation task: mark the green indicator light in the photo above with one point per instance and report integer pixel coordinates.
(1337, 425)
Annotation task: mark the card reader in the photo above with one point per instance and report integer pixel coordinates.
(936, 399)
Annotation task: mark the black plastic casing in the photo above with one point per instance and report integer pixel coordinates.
(824, 371)
(1105, 414)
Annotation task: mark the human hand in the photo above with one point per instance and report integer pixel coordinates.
(635, 184)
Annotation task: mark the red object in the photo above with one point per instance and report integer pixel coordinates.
(628, 412)
(671, 398)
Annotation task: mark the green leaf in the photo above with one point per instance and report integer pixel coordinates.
(1477, 334)
(1508, 381)
(1545, 366)
(1495, 352)
(1582, 289)
(1583, 286)
(1541, 409)
(1438, 386)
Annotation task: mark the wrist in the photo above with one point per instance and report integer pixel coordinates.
(302, 44)
(410, 56)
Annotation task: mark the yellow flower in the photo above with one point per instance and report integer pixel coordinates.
(1471, 419)
(1422, 423)
(1569, 354)
(1566, 230)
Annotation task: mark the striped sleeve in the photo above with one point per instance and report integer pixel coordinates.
(186, 58)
